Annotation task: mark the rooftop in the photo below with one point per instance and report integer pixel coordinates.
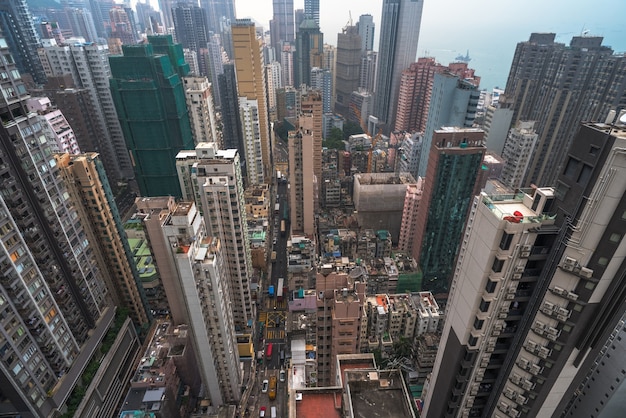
(375, 393)
(316, 404)
(516, 207)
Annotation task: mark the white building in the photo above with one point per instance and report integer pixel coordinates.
(199, 97)
(518, 150)
(57, 129)
(88, 64)
(251, 127)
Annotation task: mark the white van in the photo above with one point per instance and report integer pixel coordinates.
(273, 412)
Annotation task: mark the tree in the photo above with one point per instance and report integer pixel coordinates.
(334, 140)
(351, 128)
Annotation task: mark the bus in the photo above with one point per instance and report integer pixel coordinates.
(268, 351)
(282, 228)
(272, 391)
(273, 256)
(279, 290)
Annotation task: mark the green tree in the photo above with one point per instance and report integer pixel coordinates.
(334, 140)
(351, 128)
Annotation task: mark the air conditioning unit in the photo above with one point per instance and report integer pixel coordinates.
(551, 337)
(585, 273)
(528, 385)
(531, 345)
(562, 311)
(523, 363)
(502, 315)
(552, 331)
(497, 327)
(504, 309)
(510, 296)
(545, 351)
(572, 296)
(510, 393)
(524, 254)
(516, 378)
(519, 269)
(521, 400)
(548, 305)
(504, 407)
(535, 369)
(527, 247)
(516, 276)
(542, 354)
(560, 291)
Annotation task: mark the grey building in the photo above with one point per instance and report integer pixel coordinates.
(536, 307)
(399, 33)
(282, 26)
(190, 27)
(558, 86)
(365, 27)
(347, 67)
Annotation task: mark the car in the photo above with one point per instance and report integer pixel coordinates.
(266, 385)
(262, 411)
(282, 375)
(274, 241)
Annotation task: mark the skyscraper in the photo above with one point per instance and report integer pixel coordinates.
(18, 29)
(53, 297)
(558, 86)
(282, 27)
(322, 81)
(452, 103)
(518, 150)
(453, 179)
(399, 33)
(122, 25)
(251, 83)
(231, 122)
(366, 27)
(88, 66)
(91, 194)
(81, 23)
(212, 178)
(347, 67)
(190, 26)
(534, 326)
(149, 97)
(312, 10)
(199, 96)
(309, 52)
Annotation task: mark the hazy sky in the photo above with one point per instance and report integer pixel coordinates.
(489, 29)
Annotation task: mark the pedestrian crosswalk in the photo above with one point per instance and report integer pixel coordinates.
(275, 335)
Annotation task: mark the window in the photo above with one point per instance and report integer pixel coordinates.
(484, 305)
(491, 286)
(505, 241)
(585, 174)
(497, 265)
(615, 237)
(571, 168)
(478, 323)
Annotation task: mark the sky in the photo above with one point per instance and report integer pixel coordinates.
(489, 29)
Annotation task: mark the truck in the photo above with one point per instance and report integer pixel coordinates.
(273, 256)
(279, 290)
(277, 208)
(270, 291)
(272, 392)
(282, 228)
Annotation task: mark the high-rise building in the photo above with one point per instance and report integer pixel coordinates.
(496, 126)
(409, 216)
(148, 92)
(399, 33)
(214, 64)
(348, 67)
(274, 82)
(416, 87)
(453, 179)
(367, 75)
(232, 134)
(287, 63)
(305, 162)
(518, 150)
(251, 129)
(81, 23)
(558, 86)
(452, 103)
(190, 27)
(322, 81)
(122, 25)
(57, 130)
(312, 10)
(91, 194)
(18, 28)
(213, 179)
(88, 66)
(282, 28)
(365, 26)
(251, 84)
(309, 51)
(165, 6)
(54, 301)
(199, 96)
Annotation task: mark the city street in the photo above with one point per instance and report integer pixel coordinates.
(272, 314)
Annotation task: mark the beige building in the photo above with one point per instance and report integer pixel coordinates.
(199, 97)
(88, 187)
(339, 317)
(251, 81)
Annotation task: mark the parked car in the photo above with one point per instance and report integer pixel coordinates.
(282, 375)
(266, 385)
(262, 411)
